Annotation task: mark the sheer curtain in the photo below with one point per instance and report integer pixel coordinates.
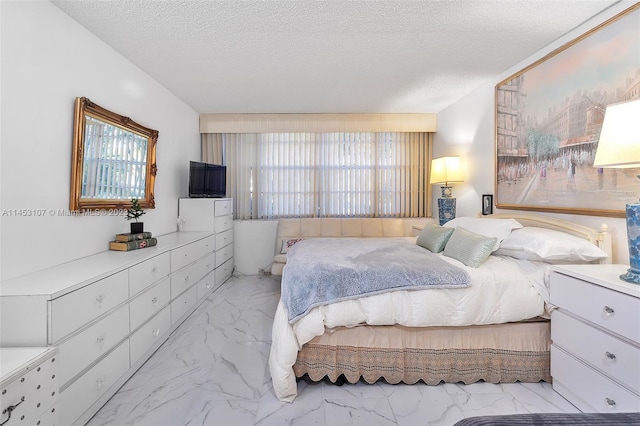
(335, 174)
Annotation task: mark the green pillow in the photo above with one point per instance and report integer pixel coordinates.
(434, 237)
(469, 248)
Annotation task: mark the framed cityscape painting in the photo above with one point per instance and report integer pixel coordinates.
(548, 121)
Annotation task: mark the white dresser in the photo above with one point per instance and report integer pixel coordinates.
(107, 313)
(211, 215)
(595, 332)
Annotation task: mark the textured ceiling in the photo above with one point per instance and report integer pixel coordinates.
(327, 55)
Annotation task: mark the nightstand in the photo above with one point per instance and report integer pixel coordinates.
(28, 386)
(595, 333)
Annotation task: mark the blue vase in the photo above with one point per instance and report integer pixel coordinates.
(633, 237)
(446, 209)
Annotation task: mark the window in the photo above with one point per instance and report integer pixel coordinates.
(339, 174)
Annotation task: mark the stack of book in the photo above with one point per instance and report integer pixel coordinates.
(128, 242)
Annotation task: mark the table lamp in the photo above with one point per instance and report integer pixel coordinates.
(446, 170)
(619, 147)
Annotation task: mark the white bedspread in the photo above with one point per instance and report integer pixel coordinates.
(502, 290)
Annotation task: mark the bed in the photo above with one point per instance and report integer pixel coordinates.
(492, 325)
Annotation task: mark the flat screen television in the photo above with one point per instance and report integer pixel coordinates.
(207, 180)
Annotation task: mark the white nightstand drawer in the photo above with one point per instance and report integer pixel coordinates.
(149, 303)
(148, 272)
(224, 238)
(223, 223)
(73, 310)
(83, 349)
(50, 417)
(614, 357)
(35, 383)
(183, 256)
(610, 309)
(223, 255)
(182, 304)
(149, 334)
(191, 275)
(223, 208)
(87, 389)
(593, 389)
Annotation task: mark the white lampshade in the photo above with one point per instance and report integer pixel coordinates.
(445, 170)
(619, 144)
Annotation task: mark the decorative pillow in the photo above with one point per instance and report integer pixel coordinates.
(287, 244)
(498, 228)
(434, 237)
(468, 247)
(548, 245)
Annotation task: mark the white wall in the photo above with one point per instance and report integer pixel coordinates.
(466, 128)
(48, 60)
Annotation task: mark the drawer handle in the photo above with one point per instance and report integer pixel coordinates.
(100, 298)
(154, 270)
(610, 402)
(610, 356)
(156, 332)
(154, 300)
(186, 279)
(101, 338)
(609, 311)
(100, 382)
(208, 266)
(10, 409)
(208, 286)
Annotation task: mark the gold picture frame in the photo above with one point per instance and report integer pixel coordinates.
(127, 161)
(548, 118)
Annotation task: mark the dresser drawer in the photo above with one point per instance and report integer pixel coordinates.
(223, 208)
(223, 255)
(183, 304)
(206, 285)
(48, 418)
(223, 223)
(182, 256)
(73, 310)
(78, 397)
(84, 348)
(187, 277)
(593, 389)
(149, 303)
(609, 309)
(224, 238)
(224, 271)
(149, 334)
(614, 357)
(148, 272)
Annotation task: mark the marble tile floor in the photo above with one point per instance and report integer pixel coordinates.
(213, 370)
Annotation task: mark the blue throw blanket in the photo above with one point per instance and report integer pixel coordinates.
(321, 271)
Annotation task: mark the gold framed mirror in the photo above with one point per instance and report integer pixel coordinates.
(113, 160)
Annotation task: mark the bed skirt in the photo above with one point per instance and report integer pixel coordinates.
(500, 353)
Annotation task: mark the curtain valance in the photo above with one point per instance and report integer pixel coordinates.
(278, 123)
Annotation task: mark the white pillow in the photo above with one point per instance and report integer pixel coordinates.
(547, 245)
(497, 228)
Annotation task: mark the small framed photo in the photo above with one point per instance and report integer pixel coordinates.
(487, 204)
